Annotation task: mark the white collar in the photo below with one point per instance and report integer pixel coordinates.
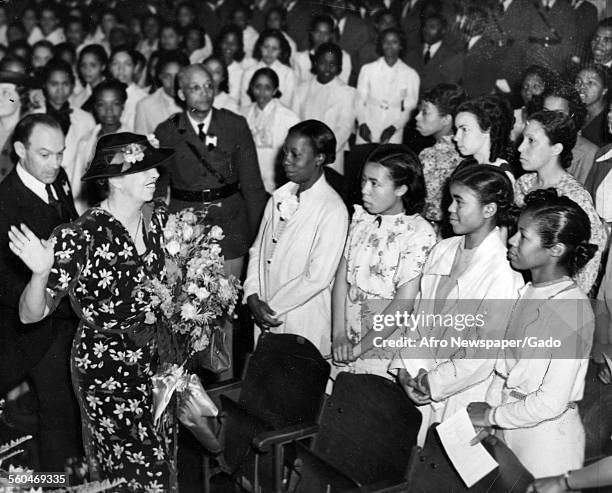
(473, 40)
(432, 48)
(32, 183)
(195, 123)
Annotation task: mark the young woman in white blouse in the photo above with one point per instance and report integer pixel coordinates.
(122, 68)
(328, 99)
(299, 244)
(321, 31)
(388, 92)
(220, 78)
(535, 391)
(273, 51)
(269, 121)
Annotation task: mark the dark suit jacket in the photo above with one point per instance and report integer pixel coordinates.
(234, 158)
(298, 23)
(445, 66)
(356, 40)
(563, 19)
(586, 25)
(481, 67)
(22, 346)
(213, 20)
(513, 28)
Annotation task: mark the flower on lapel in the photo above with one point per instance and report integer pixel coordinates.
(287, 206)
(211, 141)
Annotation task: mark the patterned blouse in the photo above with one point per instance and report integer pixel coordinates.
(438, 161)
(569, 187)
(380, 259)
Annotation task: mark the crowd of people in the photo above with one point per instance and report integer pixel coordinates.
(363, 158)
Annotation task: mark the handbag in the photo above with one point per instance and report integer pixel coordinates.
(217, 357)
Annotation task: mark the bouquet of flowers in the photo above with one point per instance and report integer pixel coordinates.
(193, 295)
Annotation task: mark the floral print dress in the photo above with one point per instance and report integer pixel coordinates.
(382, 253)
(113, 354)
(570, 188)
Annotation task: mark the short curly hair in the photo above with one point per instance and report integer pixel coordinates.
(564, 90)
(446, 98)
(560, 129)
(285, 49)
(225, 31)
(392, 30)
(494, 115)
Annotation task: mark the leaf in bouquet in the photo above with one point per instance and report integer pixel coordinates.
(13, 443)
(94, 487)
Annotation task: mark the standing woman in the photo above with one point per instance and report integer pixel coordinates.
(592, 83)
(467, 273)
(546, 153)
(482, 132)
(294, 258)
(276, 19)
(535, 392)
(387, 91)
(122, 68)
(220, 78)
(328, 99)
(387, 246)
(435, 118)
(229, 47)
(303, 62)
(536, 81)
(273, 51)
(269, 121)
(91, 66)
(100, 261)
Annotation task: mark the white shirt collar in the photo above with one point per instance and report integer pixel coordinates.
(290, 6)
(341, 24)
(506, 4)
(195, 123)
(473, 40)
(549, 3)
(31, 182)
(432, 48)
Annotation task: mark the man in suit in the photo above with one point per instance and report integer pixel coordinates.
(434, 60)
(214, 14)
(299, 16)
(214, 165)
(354, 37)
(553, 35)
(586, 25)
(511, 26)
(483, 55)
(37, 193)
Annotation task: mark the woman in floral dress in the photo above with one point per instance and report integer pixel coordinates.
(387, 246)
(101, 260)
(546, 153)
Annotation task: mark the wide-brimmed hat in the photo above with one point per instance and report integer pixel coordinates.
(17, 78)
(125, 153)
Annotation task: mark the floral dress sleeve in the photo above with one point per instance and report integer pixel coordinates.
(71, 246)
(422, 238)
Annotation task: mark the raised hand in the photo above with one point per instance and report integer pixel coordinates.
(37, 254)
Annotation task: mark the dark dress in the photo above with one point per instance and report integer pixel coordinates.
(597, 130)
(97, 264)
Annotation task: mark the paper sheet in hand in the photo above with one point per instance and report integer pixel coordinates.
(471, 462)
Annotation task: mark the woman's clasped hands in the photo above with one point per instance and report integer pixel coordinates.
(417, 388)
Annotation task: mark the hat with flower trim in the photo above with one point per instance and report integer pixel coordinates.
(126, 153)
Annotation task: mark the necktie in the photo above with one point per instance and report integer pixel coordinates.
(201, 133)
(427, 55)
(56, 204)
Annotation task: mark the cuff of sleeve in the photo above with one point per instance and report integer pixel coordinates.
(491, 416)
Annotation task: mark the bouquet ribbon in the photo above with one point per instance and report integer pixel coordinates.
(176, 379)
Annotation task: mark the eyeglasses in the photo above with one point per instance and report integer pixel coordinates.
(194, 89)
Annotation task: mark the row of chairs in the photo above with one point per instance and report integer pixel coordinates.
(280, 432)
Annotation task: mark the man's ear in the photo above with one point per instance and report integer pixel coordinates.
(20, 149)
(181, 95)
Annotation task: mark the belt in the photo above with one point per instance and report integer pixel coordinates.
(386, 105)
(544, 41)
(208, 195)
